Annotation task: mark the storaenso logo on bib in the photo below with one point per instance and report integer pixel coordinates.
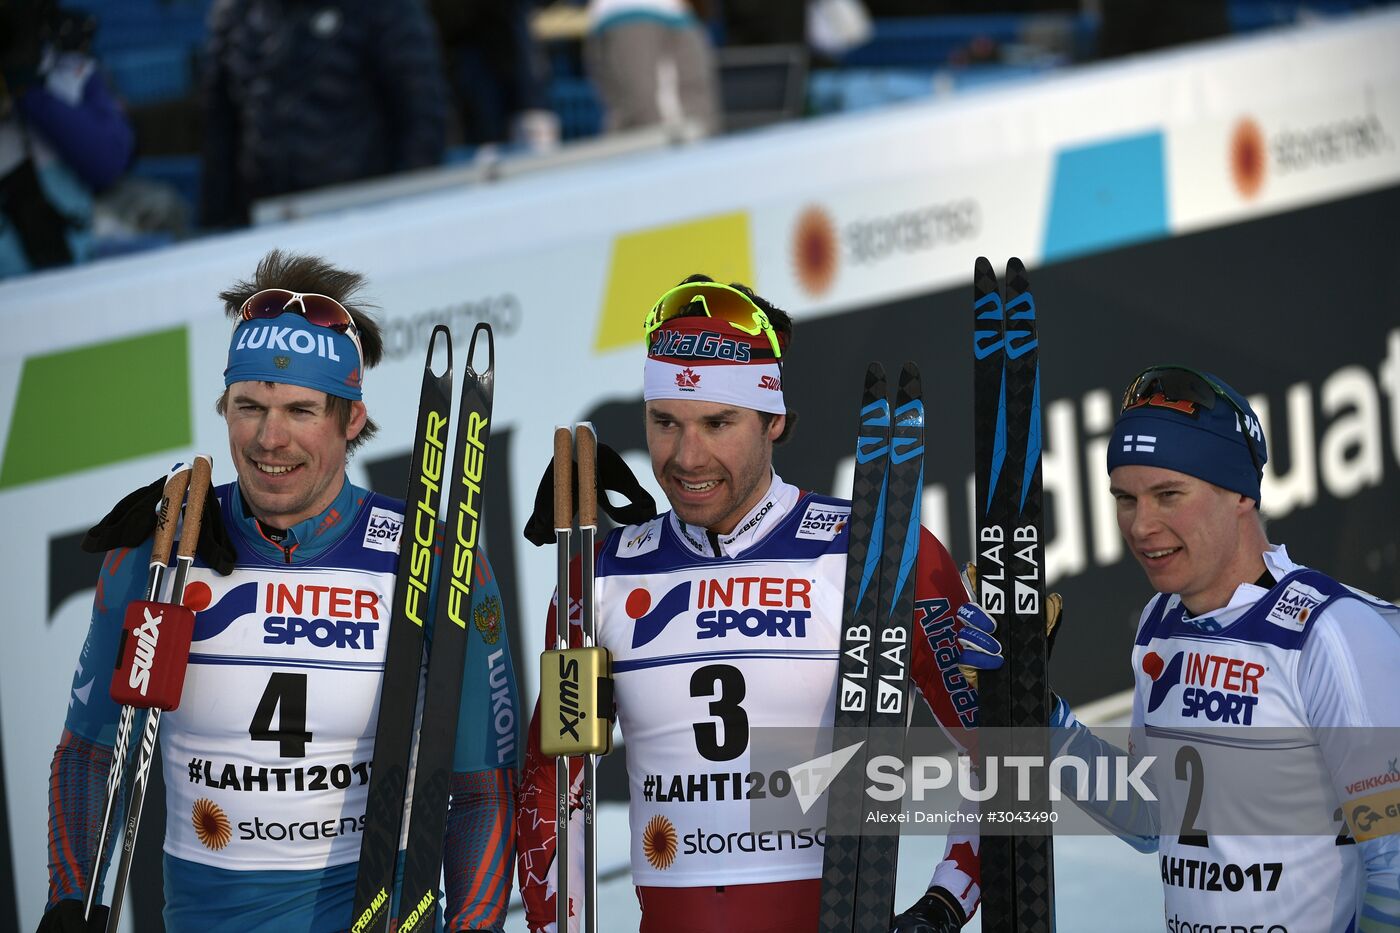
(211, 826)
(308, 831)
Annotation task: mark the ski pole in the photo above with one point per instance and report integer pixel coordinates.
(563, 530)
(576, 698)
(586, 443)
(199, 482)
(176, 482)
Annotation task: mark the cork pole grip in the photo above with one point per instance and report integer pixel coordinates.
(169, 515)
(587, 443)
(194, 504)
(563, 478)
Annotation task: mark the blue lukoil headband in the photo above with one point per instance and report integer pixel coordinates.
(292, 350)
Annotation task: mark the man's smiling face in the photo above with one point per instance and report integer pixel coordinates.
(288, 448)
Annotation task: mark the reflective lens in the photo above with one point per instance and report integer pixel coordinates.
(1174, 384)
(318, 309)
(1180, 384)
(720, 302)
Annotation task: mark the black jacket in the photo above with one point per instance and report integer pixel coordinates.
(305, 93)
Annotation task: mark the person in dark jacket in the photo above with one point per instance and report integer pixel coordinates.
(305, 93)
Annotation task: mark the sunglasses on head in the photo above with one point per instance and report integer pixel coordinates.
(321, 310)
(1182, 384)
(720, 302)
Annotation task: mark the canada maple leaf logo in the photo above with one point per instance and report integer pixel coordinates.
(687, 378)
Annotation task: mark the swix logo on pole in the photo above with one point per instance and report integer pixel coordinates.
(570, 715)
(147, 635)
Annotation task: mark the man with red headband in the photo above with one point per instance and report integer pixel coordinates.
(267, 758)
(722, 617)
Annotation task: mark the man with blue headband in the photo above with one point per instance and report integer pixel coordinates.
(1267, 690)
(267, 758)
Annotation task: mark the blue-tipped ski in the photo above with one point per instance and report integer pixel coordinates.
(859, 873)
(891, 651)
(858, 622)
(1017, 871)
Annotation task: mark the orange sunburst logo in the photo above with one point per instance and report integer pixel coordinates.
(815, 250)
(1248, 158)
(659, 843)
(211, 824)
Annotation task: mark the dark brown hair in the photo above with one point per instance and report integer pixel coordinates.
(312, 274)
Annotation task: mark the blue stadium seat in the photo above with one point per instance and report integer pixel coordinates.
(149, 75)
(576, 103)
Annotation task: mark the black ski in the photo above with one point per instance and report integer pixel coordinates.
(889, 713)
(872, 706)
(1017, 871)
(446, 661)
(403, 663)
(859, 618)
(1034, 874)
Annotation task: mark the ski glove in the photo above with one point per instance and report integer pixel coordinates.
(978, 648)
(133, 519)
(936, 912)
(613, 475)
(67, 916)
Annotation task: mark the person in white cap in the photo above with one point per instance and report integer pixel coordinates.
(722, 616)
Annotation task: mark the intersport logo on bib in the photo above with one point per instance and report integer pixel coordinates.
(773, 607)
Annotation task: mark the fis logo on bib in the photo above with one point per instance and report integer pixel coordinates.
(772, 607)
(1295, 606)
(1219, 689)
(644, 540)
(823, 522)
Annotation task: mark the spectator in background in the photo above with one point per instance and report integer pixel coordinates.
(63, 138)
(1131, 26)
(305, 93)
(495, 72)
(651, 62)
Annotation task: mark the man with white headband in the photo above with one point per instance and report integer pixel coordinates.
(1266, 691)
(723, 617)
(267, 759)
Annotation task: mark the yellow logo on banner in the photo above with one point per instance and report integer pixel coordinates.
(646, 263)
